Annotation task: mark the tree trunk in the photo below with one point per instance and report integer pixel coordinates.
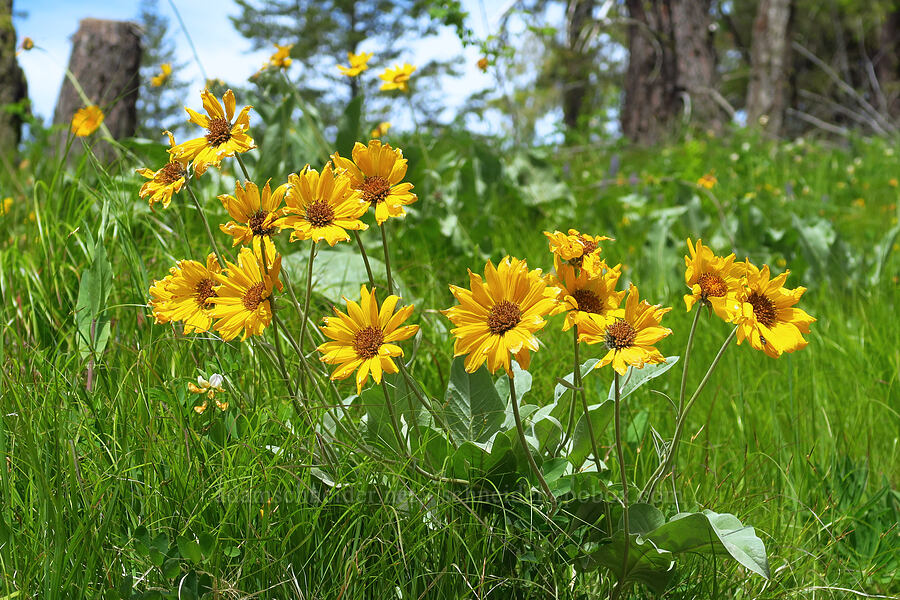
(578, 65)
(13, 87)
(767, 93)
(651, 99)
(887, 62)
(105, 60)
(696, 61)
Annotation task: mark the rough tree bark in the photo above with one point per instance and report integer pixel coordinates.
(767, 93)
(696, 61)
(13, 87)
(651, 97)
(578, 65)
(105, 60)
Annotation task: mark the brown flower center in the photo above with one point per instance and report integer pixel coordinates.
(504, 316)
(203, 292)
(367, 342)
(254, 296)
(712, 286)
(763, 308)
(620, 335)
(218, 132)
(320, 213)
(375, 189)
(587, 301)
(257, 222)
(170, 173)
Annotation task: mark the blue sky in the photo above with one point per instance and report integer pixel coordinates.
(224, 53)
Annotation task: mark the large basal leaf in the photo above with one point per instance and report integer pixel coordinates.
(338, 273)
(709, 531)
(473, 409)
(93, 292)
(523, 381)
(647, 564)
(560, 389)
(348, 130)
(601, 415)
(635, 378)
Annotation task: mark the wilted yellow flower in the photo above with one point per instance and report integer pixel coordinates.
(223, 136)
(322, 207)
(381, 130)
(708, 181)
(209, 388)
(164, 182)
(574, 247)
(186, 293)
(483, 63)
(585, 293)
(254, 213)
(500, 314)
(87, 120)
(26, 45)
(767, 316)
(242, 302)
(165, 70)
(6, 206)
(714, 281)
(397, 77)
(364, 338)
(358, 64)
(376, 172)
(628, 334)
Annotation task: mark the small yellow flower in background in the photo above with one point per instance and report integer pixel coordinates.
(165, 70)
(358, 64)
(165, 182)
(86, 120)
(714, 281)
(223, 138)
(254, 215)
(381, 130)
(32, 217)
(500, 314)
(6, 206)
(322, 207)
(483, 63)
(364, 338)
(892, 182)
(282, 57)
(397, 77)
(585, 293)
(628, 334)
(708, 181)
(186, 294)
(376, 172)
(574, 247)
(859, 203)
(242, 304)
(210, 388)
(768, 317)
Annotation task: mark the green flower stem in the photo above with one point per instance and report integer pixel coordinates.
(621, 456)
(521, 431)
(576, 379)
(365, 258)
(687, 359)
(305, 315)
(212, 239)
(666, 465)
(387, 258)
(395, 424)
(576, 383)
(243, 167)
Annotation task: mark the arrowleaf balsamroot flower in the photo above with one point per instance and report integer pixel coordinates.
(397, 77)
(574, 247)
(714, 281)
(254, 213)
(164, 182)
(86, 120)
(358, 64)
(281, 59)
(225, 135)
(364, 338)
(585, 293)
(186, 294)
(500, 314)
(322, 207)
(242, 304)
(376, 172)
(768, 317)
(628, 334)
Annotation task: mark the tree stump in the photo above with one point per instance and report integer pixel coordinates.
(13, 87)
(105, 61)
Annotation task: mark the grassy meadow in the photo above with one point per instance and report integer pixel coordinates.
(113, 486)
